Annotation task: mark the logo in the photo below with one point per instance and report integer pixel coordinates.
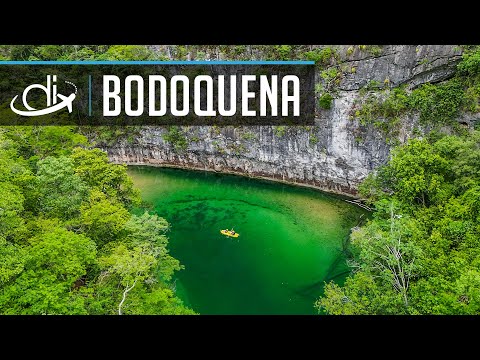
(52, 99)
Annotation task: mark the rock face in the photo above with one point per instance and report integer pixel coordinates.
(335, 155)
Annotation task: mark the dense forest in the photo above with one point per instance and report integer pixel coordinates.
(70, 245)
(420, 254)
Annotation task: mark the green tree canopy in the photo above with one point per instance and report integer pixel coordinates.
(93, 167)
(68, 244)
(61, 191)
(420, 254)
(50, 267)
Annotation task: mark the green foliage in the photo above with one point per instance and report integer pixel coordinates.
(438, 103)
(17, 52)
(322, 57)
(61, 191)
(384, 115)
(94, 169)
(149, 230)
(11, 207)
(200, 55)
(470, 64)
(110, 135)
(67, 241)
(279, 131)
(331, 75)
(13, 260)
(46, 52)
(38, 142)
(54, 260)
(130, 271)
(102, 219)
(424, 61)
(84, 53)
(180, 52)
(420, 254)
(127, 52)
(78, 52)
(249, 136)
(237, 149)
(176, 138)
(326, 89)
(284, 52)
(233, 51)
(63, 253)
(160, 301)
(325, 101)
(375, 50)
(129, 266)
(37, 292)
(218, 147)
(143, 52)
(360, 295)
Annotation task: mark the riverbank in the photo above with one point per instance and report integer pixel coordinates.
(345, 192)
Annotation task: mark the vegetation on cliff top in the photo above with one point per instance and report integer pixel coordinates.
(436, 104)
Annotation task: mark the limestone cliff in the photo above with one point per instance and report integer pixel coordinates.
(334, 155)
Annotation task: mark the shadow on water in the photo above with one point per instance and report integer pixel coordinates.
(336, 270)
(203, 200)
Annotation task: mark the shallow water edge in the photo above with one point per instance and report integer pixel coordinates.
(332, 191)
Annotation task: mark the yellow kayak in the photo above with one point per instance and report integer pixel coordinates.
(229, 233)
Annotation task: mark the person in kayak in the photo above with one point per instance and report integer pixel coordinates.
(231, 233)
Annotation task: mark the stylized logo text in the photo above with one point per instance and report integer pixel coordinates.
(52, 99)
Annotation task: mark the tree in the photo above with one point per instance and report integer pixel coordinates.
(102, 219)
(161, 301)
(140, 267)
(16, 178)
(128, 52)
(149, 230)
(128, 267)
(11, 207)
(387, 253)
(360, 295)
(415, 175)
(93, 167)
(61, 191)
(383, 270)
(38, 142)
(54, 261)
(13, 260)
(420, 253)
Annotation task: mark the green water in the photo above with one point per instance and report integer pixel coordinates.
(291, 239)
